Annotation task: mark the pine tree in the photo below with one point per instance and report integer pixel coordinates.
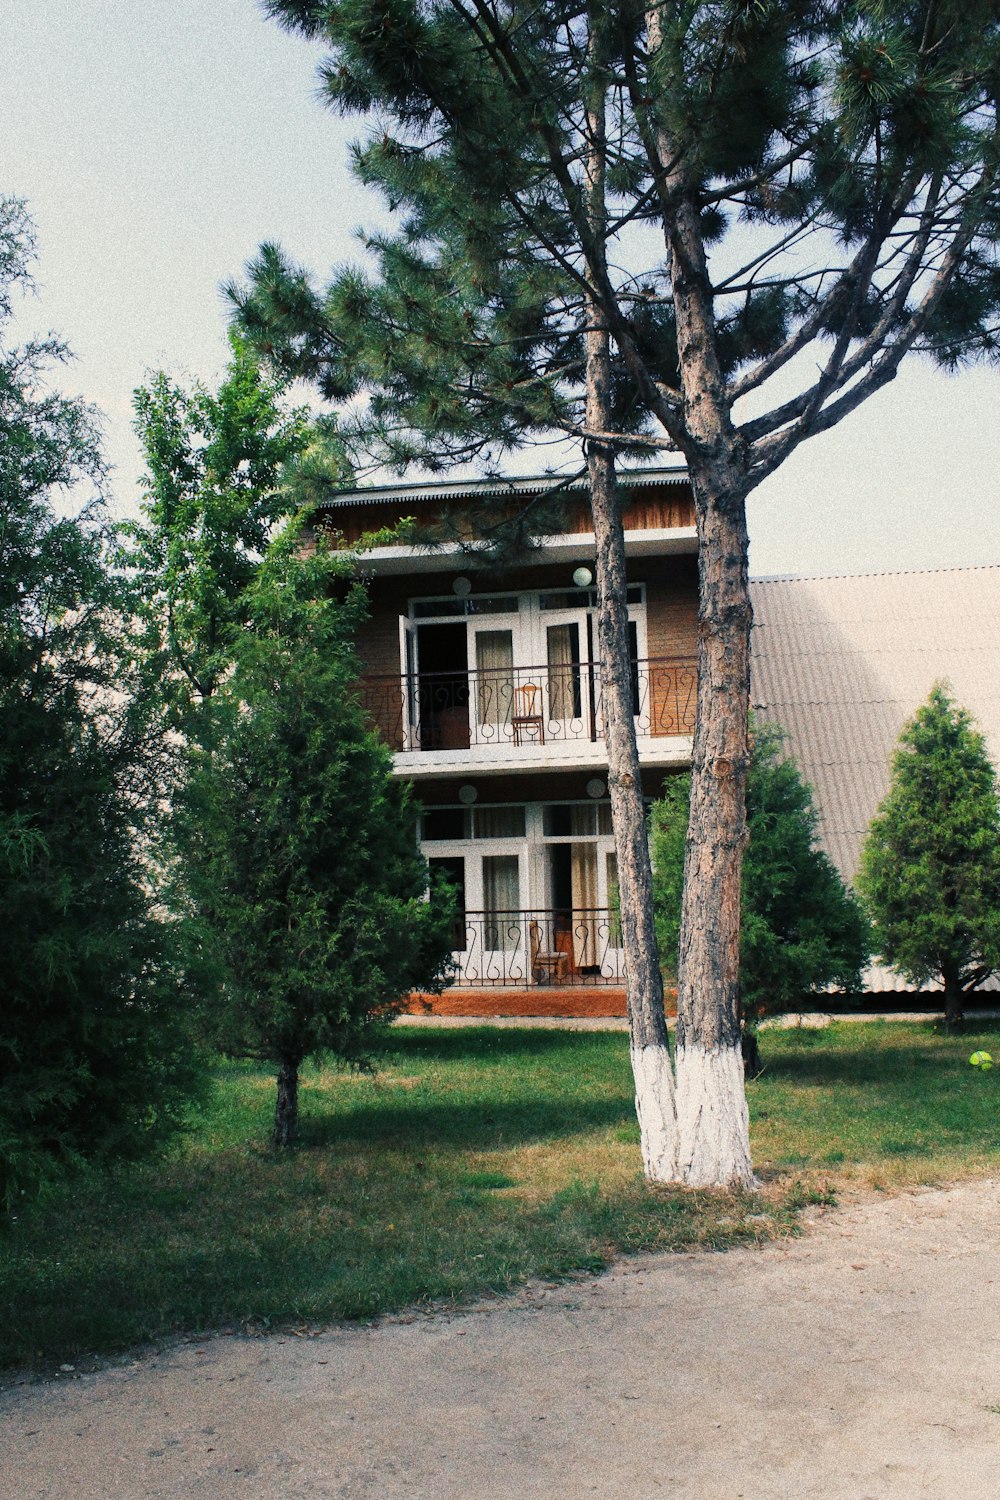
(801, 929)
(614, 222)
(930, 867)
(301, 867)
(95, 1055)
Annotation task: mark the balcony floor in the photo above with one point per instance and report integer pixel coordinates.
(486, 760)
(539, 1000)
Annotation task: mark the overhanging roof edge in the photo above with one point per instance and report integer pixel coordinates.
(454, 488)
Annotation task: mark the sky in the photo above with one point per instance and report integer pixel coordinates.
(159, 142)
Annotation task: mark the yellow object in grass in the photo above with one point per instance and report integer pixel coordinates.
(983, 1060)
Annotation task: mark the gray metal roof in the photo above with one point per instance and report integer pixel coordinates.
(841, 664)
(451, 489)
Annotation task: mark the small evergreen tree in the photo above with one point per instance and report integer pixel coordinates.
(801, 930)
(301, 856)
(930, 867)
(94, 1056)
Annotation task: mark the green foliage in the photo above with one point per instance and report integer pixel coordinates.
(300, 854)
(223, 469)
(930, 868)
(801, 930)
(93, 1057)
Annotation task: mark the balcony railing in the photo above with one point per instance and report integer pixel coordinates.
(539, 949)
(519, 706)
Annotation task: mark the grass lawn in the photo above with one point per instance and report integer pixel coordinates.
(474, 1159)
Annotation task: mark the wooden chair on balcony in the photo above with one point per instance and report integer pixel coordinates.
(526, 719)
(548, 965)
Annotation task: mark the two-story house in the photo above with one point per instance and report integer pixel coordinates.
(488, 686)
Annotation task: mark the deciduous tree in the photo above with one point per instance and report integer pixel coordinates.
(616, 221)
(930, 867)
(217, 483)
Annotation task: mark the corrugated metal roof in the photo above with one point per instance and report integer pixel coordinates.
(451, 489)
(842, 663)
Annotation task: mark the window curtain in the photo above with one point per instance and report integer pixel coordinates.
(614, 902)
(502, 901)
(583, 871)
(494, 676)
(564, 671)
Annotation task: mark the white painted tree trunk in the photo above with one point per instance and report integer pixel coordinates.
(654, 1105)
(713, 1141)
(650, 1049)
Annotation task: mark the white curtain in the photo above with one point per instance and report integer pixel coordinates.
(494, 676)
(563, 673)
(501, 901)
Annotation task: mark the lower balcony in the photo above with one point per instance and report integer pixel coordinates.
(548, 950)
(543, 714)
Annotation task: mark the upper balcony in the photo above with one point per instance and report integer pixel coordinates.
(657, 515)
(528, 718)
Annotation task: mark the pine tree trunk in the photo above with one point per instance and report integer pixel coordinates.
(650, 1049)
(286, 1110)
(712, 1117)
(713, 1120)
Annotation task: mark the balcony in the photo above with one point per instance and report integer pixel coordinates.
(543, 714)
(539, 949)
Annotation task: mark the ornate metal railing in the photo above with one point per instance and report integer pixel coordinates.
(540, 948)
(518, 706)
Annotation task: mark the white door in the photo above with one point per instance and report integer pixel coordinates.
(409, 684)
(567, 674)
(504, 938)
(492, 704)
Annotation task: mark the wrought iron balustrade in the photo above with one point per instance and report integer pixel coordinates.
(517, 706)
(540, 948)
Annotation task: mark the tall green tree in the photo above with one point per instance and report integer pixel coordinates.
(94, 1056)
(220, 476)
(615, 221)
(930, 867)
(302, 866)
(801, 929)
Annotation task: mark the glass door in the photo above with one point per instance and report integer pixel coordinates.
(410, 728)
(504, 957)
(493, 700)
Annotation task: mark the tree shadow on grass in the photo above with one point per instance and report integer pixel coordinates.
(889, 1065)
(474, 1125)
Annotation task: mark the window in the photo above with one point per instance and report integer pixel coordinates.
(476, 604)
(445, 824)
(498, 822)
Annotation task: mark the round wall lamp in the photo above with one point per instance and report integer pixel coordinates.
(462, 588)
(596, 788)
(583, 578)
(467, 795)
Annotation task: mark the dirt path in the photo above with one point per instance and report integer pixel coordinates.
(858, 1362)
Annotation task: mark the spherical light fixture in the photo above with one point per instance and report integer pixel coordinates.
(596, 788)
(467, 795)
(583, 578)
(462, 588)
